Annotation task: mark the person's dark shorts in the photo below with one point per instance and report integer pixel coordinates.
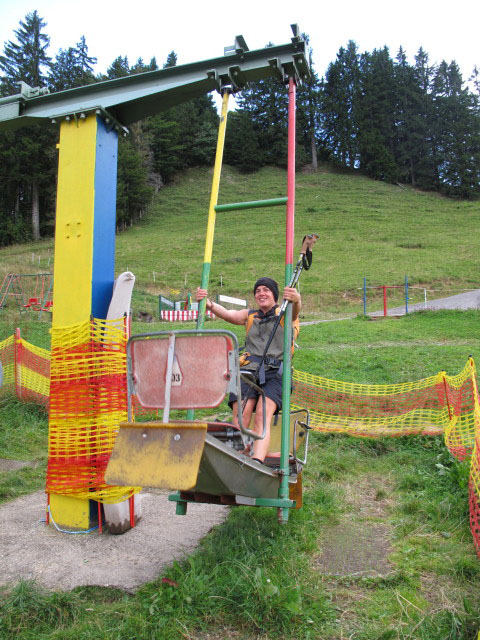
(272, 388)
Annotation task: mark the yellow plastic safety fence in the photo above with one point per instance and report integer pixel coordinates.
(429, 406)
(33, 372)
(7, 365)
(474, 479)
(88, 400)
(24, 370)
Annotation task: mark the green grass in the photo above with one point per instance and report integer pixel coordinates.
(251, 578)
(23, 436)
(256, 578)
(366, 228)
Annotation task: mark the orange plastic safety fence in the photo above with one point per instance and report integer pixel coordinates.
(428, 406)
(474, 480)
(460, 432)
(25, 370)
(7, 364)
(33, 373)
(88, 399)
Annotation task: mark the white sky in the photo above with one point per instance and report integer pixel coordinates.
(199, 29)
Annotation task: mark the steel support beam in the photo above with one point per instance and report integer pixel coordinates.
(127, 100)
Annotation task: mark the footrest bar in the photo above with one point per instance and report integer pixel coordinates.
(254, 204)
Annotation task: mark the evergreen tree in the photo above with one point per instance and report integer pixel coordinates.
(308, 111)
(133, 192)
(26, 60)
(376, 116)
(266, 103)
(171, 60)
(119, 68)
(410, 126)
(340, 97)
(242, 149)
(27, 185)
(475, 78)
(456, 115)
(141, 67)
(425, 175)
(184, 135)
(73, 67)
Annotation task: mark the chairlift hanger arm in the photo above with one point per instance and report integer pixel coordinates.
(138, 96)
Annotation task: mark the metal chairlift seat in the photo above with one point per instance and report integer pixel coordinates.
(174, 370)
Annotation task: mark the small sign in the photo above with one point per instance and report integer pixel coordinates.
(177, 375)
(237, 301)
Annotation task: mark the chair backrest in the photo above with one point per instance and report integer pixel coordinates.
(201, 368)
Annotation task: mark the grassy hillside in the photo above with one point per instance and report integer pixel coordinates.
(366, 228)
(252, 579)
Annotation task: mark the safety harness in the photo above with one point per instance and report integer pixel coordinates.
(269, 362)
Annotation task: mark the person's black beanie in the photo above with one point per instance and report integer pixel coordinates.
(267, 282)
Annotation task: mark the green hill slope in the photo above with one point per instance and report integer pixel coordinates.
(366, 228)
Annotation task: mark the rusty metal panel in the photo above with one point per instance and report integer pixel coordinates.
(154, 454)
(200, 373)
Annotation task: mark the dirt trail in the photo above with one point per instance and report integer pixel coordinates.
(31, 550)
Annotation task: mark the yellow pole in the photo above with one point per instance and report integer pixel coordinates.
(217, 170)
(207, 258)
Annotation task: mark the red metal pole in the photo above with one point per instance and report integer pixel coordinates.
(446, 396)
(283, 492)
(16, 356)
(290, 229)
(99, 515)
(384, 300)
(131, 504)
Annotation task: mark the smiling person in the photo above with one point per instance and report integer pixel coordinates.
(258, 325)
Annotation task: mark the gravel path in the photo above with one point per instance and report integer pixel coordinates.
(467, 300)
(31, 550)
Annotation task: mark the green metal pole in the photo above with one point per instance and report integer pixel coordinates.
(283, 492)
(253, 204)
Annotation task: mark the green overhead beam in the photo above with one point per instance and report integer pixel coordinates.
(132, 98)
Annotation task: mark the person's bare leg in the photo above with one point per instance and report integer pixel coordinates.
(246, 417)
(260, 447)
(247, 412)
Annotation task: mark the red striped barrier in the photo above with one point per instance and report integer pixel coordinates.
(183, 316)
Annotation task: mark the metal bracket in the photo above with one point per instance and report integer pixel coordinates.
(301, 68)
(110, 121)
(276, 66)
(239, 46)
(237, 77)
(297, 36)
(26, 91)
(212, 74)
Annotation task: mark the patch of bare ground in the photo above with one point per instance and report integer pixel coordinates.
(226, 633)
(13, 465)
(360, 543)
(443, 594)
(31, 550)
(357, 546)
